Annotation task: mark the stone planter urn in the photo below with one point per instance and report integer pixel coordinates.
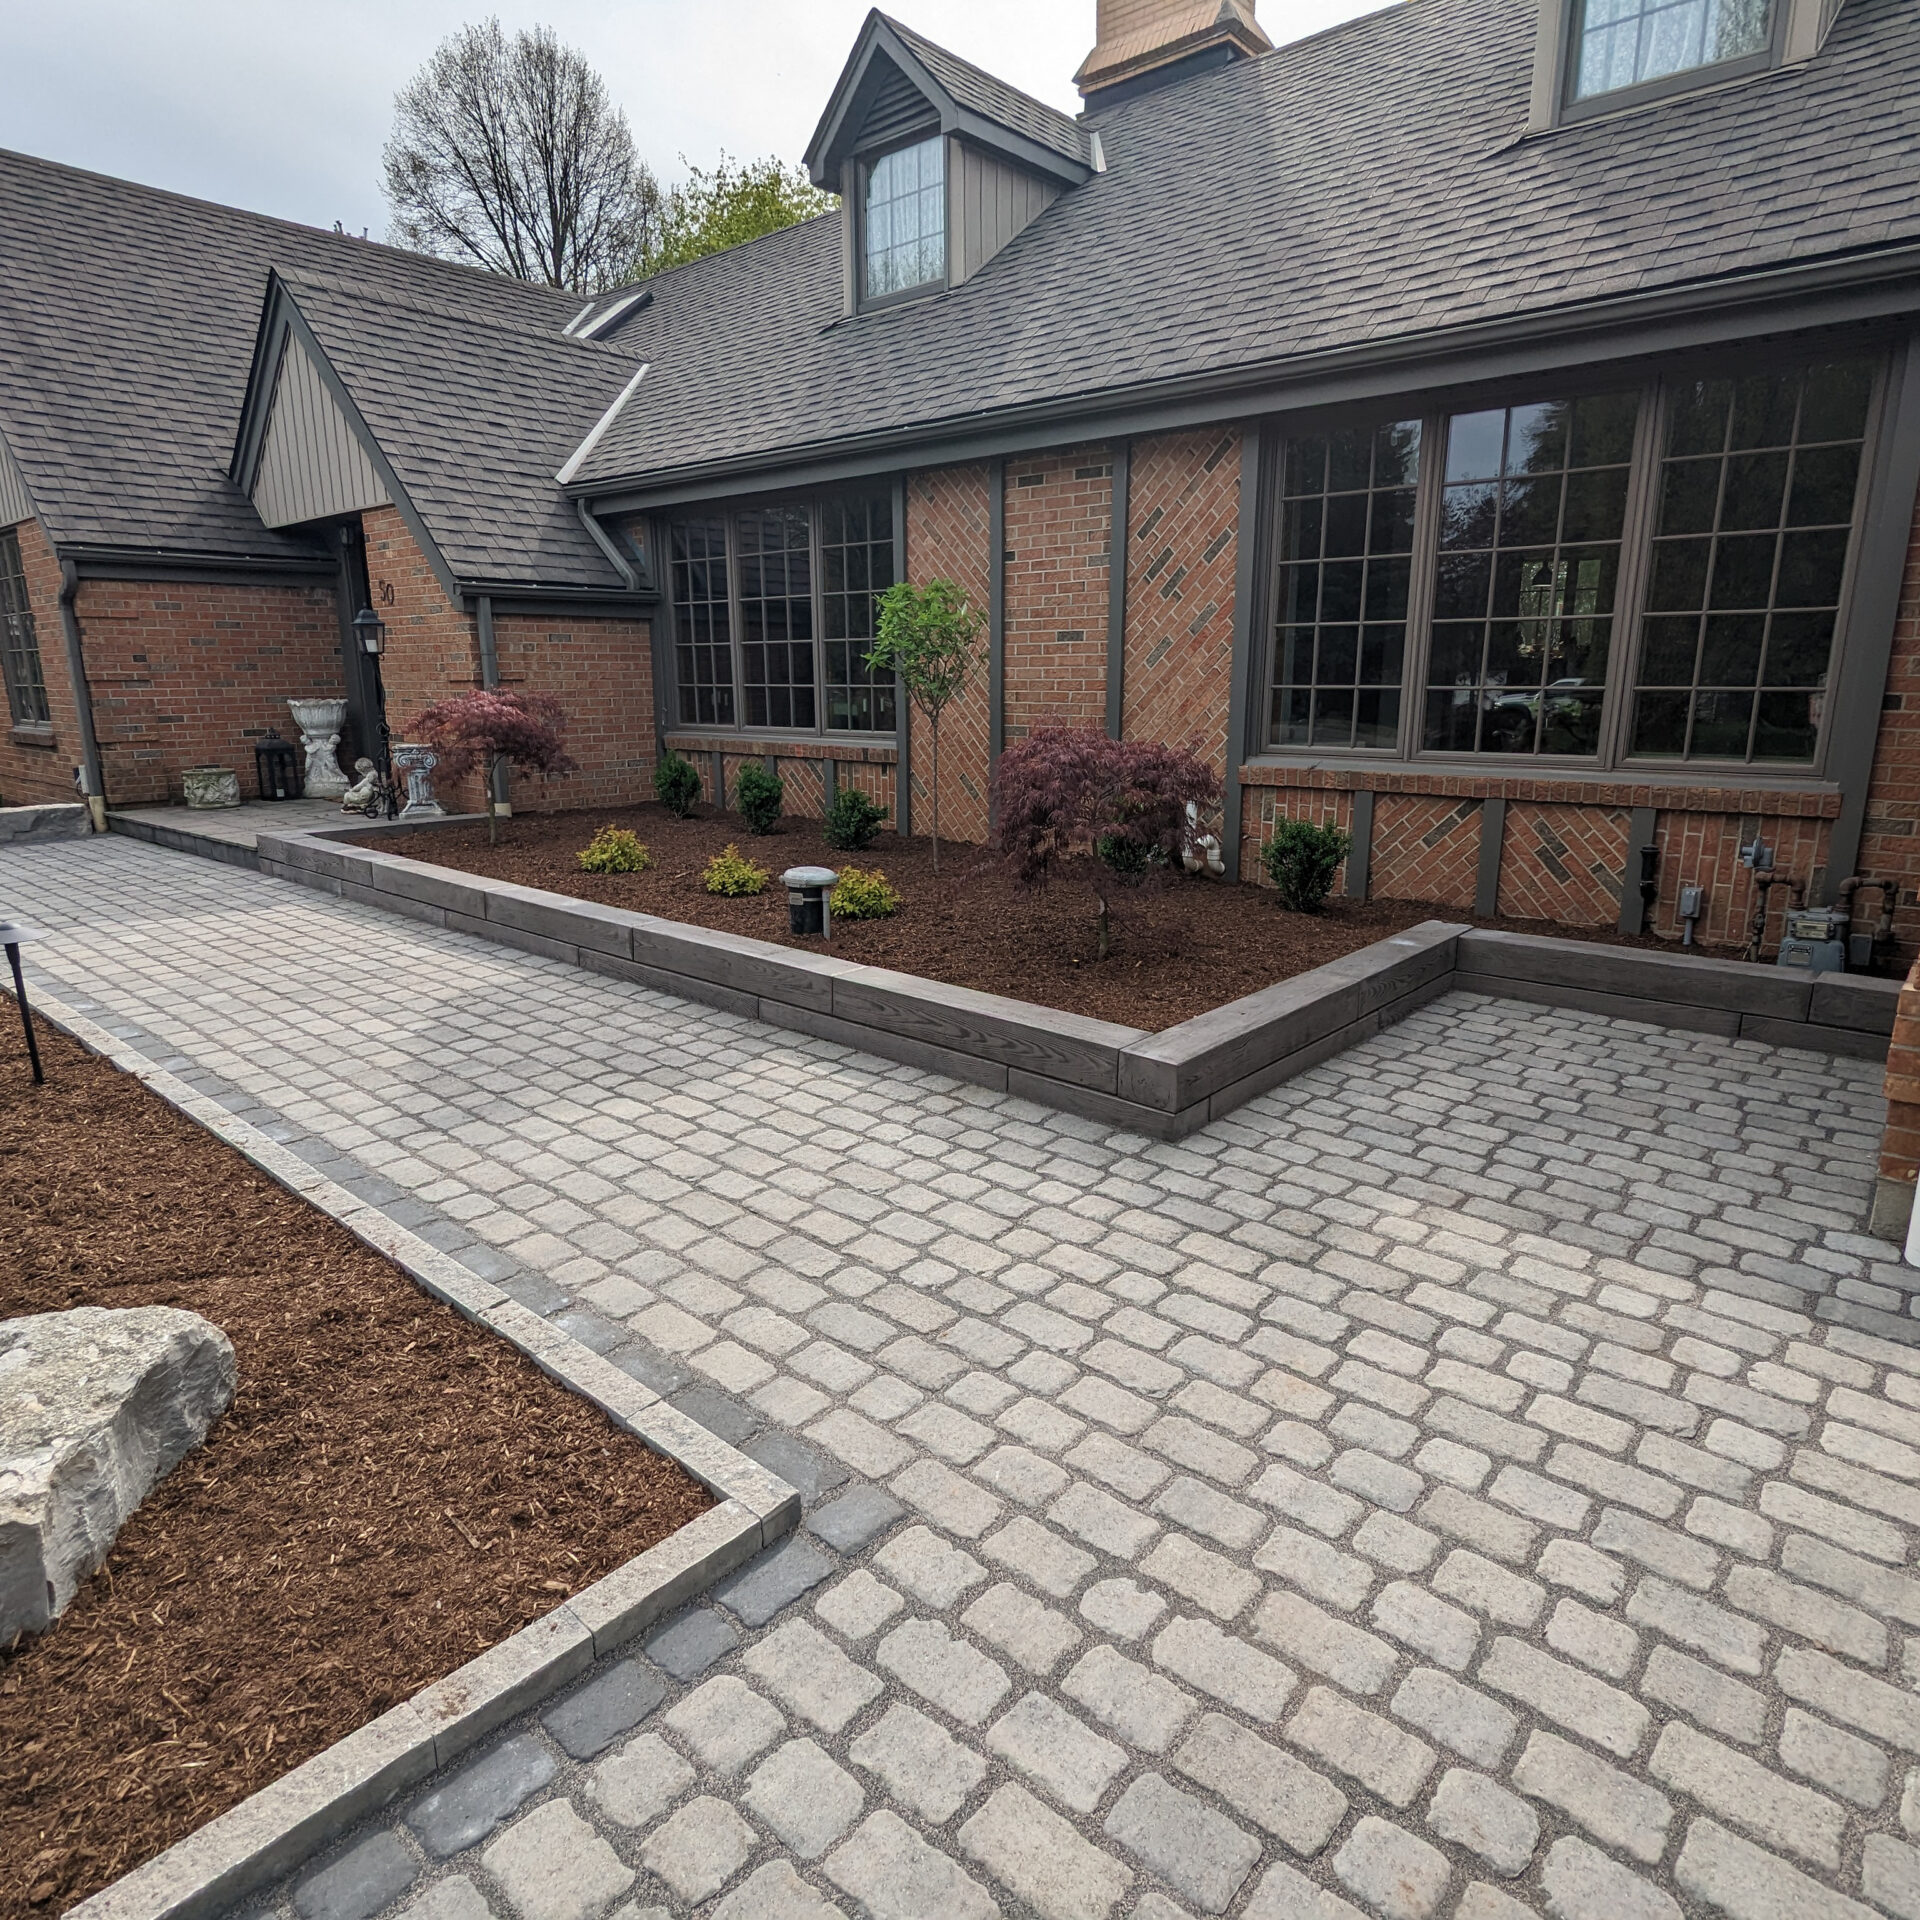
(417, 763)
(210, 786)
(320, 723)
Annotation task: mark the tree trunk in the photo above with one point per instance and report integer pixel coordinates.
(934, 729)
(1106, 927)
(493, 813)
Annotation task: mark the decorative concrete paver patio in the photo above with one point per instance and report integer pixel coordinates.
(1445, 1488)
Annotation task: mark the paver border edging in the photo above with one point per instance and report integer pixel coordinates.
(252, 1843)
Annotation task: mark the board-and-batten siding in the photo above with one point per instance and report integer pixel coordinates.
(16, 504)
(988, 203)
(312, 465)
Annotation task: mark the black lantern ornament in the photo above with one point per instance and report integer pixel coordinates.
(371, 631)
(277, 767)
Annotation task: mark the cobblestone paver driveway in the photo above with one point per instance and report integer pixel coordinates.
(1471, 1482)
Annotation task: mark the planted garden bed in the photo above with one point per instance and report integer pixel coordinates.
(393, 1491)
(1180, 946)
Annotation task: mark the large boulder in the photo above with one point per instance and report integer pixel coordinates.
(95, 1407)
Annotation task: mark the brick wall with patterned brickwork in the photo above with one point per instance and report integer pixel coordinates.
(1059, 524)
(1425, 848)
(1900, 1143)
(180, 675)
(1263, 808)
(1182, 549)
(947, 528)
(1890, 846)
(38, 766)
(1563, 863)
(600, 670)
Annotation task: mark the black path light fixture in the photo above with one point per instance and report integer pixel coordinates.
(371, 631)
(12, 933)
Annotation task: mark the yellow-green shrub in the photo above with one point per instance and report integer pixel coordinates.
(863, 894)
(615, 850)
(731, 875)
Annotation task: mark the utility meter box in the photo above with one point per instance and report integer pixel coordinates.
(1813, 941)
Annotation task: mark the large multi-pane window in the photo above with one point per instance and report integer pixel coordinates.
(19, 643)
(1346, 553)
(702, 622)
(1531, 518)
(1757, 495)
(903, 220)
(775, 612)
(1649, 575)
(1630, 43)
(856, 565)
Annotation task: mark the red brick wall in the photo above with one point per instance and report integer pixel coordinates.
(1059, 536)
(1890, 847)
(1703, 849)
(36, 767)
(1182, 550)
(180, 674)
(1425, 848)
(600, 670)
(947, 528)
(1563, 863)
(1263, 808)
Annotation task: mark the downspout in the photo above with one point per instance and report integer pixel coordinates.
(598, 535)
(490, 677)
(93, 785)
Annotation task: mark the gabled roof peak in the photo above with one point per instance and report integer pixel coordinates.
(875, 100)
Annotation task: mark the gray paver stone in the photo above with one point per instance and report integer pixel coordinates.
(592, 1718)
(1890, 1875)
(692, 1643)
(1122, 1608)
(468, 1805)
(933, 1570)
(1398, 1876)
(854, 1519)
(699, 1849)
(1628, 1815)
(802, 1467)
(773, 1892)
(777, 1579)
(1046, 1743)
(725, 1723)
(1581, 1883)
(956, 1677)
(553, 1866)
(810, 1676)
(639, 1783)
(1456, 1715)
(454, 1899)
(922, 1764)
(807, 1800)
(1042, 1860)
(1833, 1759)
(895, 1875)
(364, 1879)
(1470, 1810)
(1284, 1894)
(1261, 1783)
(1202, 1855)
(1142, 1708)
(1362, 1745)
(859, 1606)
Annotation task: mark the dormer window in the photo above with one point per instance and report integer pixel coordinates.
(903, 220)
(1623, 44)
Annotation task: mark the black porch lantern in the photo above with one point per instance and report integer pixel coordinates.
(277, 767)
(371, 631)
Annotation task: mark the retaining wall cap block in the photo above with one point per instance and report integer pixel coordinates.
(23, 826)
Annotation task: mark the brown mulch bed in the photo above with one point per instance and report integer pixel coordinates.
(393, 1490)
(1180, 946)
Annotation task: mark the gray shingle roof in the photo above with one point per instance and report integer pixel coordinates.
(980, 92)
(127, 323)
(1361, 187)
(475, 414)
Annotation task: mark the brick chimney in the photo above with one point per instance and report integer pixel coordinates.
(1149, 43)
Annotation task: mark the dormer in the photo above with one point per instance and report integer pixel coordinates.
(1596, 57)
(937, 164)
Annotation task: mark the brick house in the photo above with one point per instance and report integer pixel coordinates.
(1491, 428)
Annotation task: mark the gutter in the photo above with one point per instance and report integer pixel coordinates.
(490, 677)
(92, 785)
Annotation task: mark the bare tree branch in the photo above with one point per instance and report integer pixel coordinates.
(509, 155)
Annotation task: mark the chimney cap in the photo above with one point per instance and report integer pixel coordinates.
(1143, 38)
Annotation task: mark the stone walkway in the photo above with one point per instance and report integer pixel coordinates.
(1469, 1482)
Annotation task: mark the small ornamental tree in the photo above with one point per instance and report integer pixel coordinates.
(930, 637)
(490, 728)
(1071, 790)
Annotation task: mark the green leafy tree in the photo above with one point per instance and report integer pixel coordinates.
(930, 637)
(736, 201)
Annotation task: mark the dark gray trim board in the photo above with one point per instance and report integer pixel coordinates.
(1117, 531)
(1873, 286)
(1164, 1084)
(1249, 607)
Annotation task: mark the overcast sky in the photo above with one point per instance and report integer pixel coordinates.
(282, 106)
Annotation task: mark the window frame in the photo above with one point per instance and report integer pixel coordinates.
(22, 701)
(863, 165)
(1612, 757)
(729, 513)
(1644, 92)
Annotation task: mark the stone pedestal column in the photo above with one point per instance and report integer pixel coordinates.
(1900, 1145)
